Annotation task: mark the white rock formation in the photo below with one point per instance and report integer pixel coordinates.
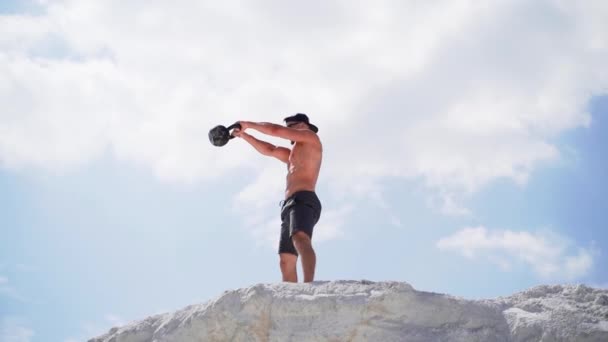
(383, 311)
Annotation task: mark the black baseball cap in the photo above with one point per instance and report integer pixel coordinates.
(301, 118)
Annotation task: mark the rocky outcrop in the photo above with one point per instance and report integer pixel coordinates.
(377, 311)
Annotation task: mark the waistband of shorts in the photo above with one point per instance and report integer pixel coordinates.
(299, 193)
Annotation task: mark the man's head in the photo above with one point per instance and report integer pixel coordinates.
(295, 121)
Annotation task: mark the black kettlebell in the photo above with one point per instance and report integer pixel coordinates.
(220, 135)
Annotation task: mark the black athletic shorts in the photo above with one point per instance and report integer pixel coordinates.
(300, 212)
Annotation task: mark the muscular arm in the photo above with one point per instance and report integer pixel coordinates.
(265, 148)
(281, 131)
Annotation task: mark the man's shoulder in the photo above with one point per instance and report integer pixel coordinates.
(314, 138)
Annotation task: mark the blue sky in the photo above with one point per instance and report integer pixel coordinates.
(464, 152)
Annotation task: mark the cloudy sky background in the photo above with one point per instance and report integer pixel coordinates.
(464, 149)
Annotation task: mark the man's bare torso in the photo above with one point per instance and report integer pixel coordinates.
(303, 167)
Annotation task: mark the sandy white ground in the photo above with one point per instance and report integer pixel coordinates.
(377, 311)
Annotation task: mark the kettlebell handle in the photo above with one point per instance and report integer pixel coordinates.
(235, 125)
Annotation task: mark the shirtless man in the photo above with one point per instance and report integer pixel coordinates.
(301, 208)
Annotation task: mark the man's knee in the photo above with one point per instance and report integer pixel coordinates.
(288, 261)
(300, 237)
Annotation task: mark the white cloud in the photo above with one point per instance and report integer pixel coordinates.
(258, 204)
(98, 328)
(395, 221)
(550, 255)
(114, 320)
(332, 223)
(578, 265)
(447, 204)
(26, 268)
(7, 290)
(13, 329)
(94, 329)
(457, 94)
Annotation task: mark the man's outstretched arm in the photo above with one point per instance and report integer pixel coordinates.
(265, 148)
(280, 131)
